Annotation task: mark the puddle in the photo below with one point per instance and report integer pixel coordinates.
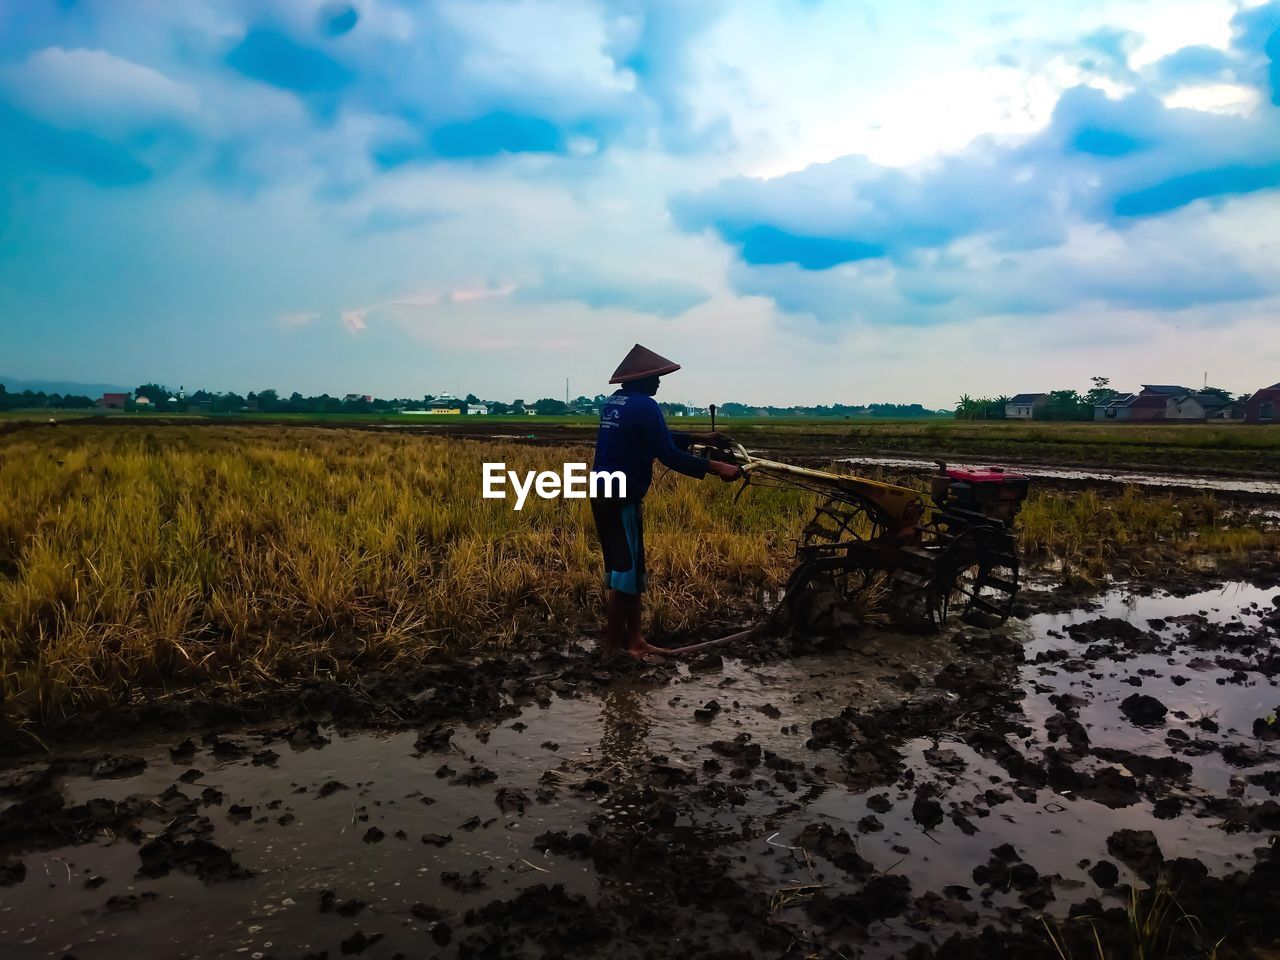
(364, 839)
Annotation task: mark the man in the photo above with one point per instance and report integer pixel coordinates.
(633, 433)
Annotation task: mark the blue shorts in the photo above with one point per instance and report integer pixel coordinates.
(621, 529)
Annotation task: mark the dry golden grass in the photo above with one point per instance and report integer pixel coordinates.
(139, 558)
(136, 557)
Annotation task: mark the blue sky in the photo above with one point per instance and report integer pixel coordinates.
(802, 201)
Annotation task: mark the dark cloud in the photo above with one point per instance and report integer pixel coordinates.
(37, 146)
(1196, 64)
(271, 56)
(499, 132)
(1257, 35)
(335, 19)
(486, 136)
(1224, 181)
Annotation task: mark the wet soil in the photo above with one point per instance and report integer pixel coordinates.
(865, 793)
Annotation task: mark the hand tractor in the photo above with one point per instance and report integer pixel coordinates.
(934, 559)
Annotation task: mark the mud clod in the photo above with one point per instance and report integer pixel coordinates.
(1138, 850)
(12, 872)
(835, 845)
(359, 942)
(1143, 710)
(193, 855)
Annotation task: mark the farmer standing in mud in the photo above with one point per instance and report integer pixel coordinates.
(633, 433)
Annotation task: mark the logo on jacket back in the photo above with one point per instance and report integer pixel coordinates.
(611, 412)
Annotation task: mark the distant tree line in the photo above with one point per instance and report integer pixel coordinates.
(160, 397)
(39, 400)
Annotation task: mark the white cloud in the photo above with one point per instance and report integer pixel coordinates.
(470, 294)
(1229, 98)
(296, 319)
(95, 90)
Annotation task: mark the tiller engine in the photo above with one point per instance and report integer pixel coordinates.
(932, 559)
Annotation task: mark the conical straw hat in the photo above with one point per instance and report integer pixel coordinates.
(642, 362)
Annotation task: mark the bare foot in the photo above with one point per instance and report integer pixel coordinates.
(645, 649)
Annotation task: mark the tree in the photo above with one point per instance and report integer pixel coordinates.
(1065, 405)
(227, 402)
(987, 408)
(358, 405)
(472, 398)
(517, 406)
(547, 407)
(1218, 392)
(153, 392)
(1101, 392)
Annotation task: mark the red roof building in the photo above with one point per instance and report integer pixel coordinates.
(1264, 405)
(113, 401)
(1148, 406)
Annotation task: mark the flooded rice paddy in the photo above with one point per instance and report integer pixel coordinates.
(1258, 486)
(860, 801)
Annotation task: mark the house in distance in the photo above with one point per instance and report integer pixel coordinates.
(1167, 403)
(114, 401)
(1025, 405)
(1263, 405)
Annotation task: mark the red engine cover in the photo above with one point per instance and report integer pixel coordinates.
(985, 475)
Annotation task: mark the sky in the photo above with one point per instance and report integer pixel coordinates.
(800, 201)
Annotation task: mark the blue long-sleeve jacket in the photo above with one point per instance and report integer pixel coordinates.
(633, 433)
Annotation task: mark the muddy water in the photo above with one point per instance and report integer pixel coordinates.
(1258, 486)
(387, 785)
(349, 813)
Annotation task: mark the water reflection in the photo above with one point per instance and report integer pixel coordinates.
(624, 740)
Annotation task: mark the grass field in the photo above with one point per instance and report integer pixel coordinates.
(1199, 447)
(137, 558)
